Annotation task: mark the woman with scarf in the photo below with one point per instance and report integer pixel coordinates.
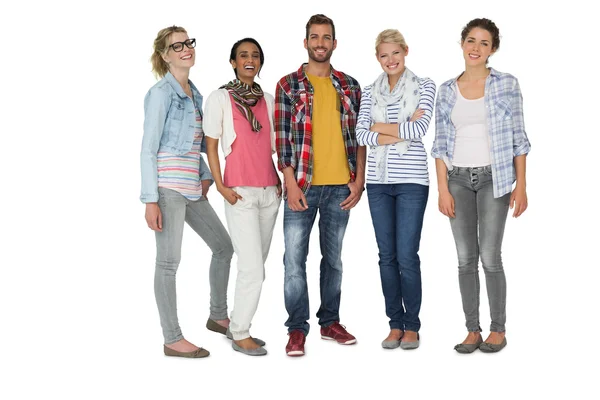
(241, 115)
(175, 181)
(480, 149)
(394, 116)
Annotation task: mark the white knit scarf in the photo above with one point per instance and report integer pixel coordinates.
(406, 94)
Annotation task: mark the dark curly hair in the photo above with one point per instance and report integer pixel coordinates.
(486, 24)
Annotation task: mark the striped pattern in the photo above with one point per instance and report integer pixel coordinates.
(245, 97)
(293, 122)
(506, 126)
(411, 167)
(182, 173)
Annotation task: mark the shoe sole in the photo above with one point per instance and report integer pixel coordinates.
(295, 353)
(351, 341)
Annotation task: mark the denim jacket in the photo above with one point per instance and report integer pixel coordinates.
(169, 123)
(506, 126)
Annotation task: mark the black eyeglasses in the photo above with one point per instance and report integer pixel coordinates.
(178, 46)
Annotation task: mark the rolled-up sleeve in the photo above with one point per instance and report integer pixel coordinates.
(521, 143)
(283, 129)
(439, 148)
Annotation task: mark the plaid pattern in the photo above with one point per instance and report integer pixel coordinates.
(506, 126)
(293, 125)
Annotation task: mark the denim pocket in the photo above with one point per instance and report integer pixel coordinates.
(177, 110)
(452, 172)
(487, 170)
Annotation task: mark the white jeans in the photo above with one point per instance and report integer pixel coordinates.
(251, 222)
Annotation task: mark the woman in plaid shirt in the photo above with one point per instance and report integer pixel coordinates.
(480, 149)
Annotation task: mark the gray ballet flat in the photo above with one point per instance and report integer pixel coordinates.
(468, 348)
(256, 340)
(260, 351)
(410, 345)
(390, 344)
(492, 348)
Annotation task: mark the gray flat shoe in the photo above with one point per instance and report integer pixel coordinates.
(492, 348)
(212, 325)
(256, 340)
(391, 344)
(250, 352)
(468, 348)
(410, 345)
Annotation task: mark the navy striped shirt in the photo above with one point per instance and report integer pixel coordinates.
(411, 167)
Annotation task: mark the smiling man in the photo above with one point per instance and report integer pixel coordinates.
(316, 110)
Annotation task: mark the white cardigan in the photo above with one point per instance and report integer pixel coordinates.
(218, 119)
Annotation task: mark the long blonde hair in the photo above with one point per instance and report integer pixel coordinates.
(161, 43)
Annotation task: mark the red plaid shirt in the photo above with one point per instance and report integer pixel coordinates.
(293, 125)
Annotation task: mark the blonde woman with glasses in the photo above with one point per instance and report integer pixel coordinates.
(175, 181)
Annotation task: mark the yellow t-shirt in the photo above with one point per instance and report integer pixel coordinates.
(330, 163)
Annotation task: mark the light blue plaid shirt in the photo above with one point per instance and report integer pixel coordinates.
(506, 126)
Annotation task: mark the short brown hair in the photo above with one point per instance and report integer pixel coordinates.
(320, 19)
(161, 45)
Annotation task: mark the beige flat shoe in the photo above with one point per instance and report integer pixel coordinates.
(198, 353)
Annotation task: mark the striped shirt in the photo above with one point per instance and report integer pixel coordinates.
(411, 167)
(506, 126)
(182, 173)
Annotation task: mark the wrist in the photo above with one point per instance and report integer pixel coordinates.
(520, 186)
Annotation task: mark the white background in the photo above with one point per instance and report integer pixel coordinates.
(78, 315)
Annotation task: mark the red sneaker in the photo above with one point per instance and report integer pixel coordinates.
(338, 333)
(295, 346)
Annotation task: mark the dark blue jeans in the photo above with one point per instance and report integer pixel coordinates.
(397, 212)
(297, 226)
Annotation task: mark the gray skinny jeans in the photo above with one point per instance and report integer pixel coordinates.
(201, 217)
(475, 207)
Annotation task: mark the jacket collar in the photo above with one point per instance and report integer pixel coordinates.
(179, 90)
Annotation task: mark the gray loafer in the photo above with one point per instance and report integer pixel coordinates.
(410, 345)
(468, 348)
(492, 348)
(260, 351)
(256, 340)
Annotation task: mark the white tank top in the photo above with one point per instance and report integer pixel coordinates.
(472, 143)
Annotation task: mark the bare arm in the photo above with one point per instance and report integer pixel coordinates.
(518, 198)
(294, 193)
(215, 167)
(445, 199)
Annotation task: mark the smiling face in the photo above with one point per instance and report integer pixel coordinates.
(320, 43)
(391, 57)
(183, 59)
(247, 62)
(477, 47)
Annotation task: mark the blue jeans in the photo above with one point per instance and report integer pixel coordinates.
(397, 212)
(297, 226)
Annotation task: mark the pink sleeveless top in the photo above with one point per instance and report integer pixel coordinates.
(250, 162)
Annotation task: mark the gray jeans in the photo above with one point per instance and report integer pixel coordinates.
(475, 207)
(201, 217)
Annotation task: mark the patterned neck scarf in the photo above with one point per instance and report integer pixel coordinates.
(245, 97)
